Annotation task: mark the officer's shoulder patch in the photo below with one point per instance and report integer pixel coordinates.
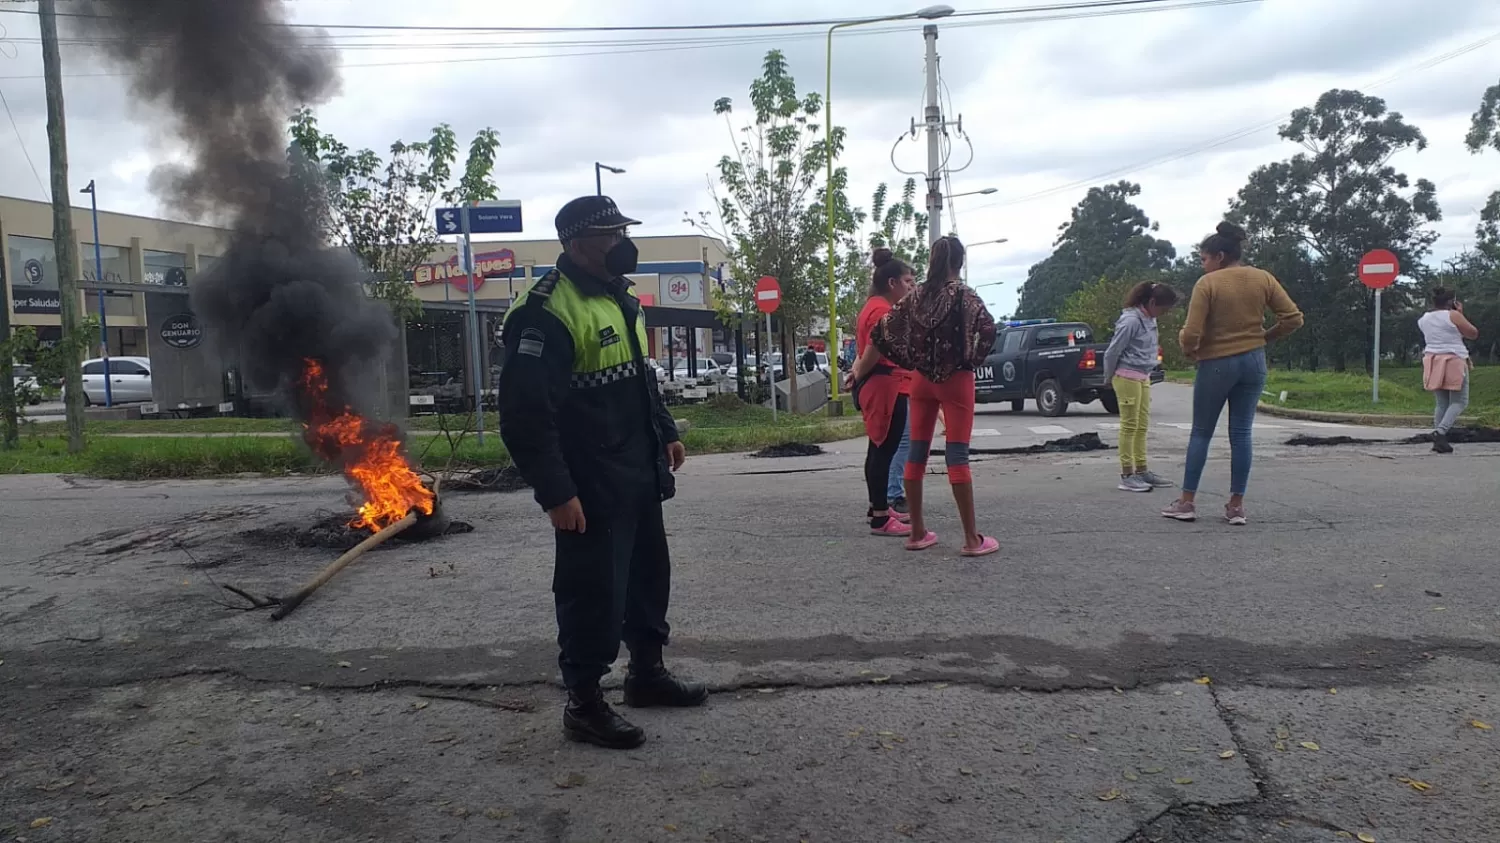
(546, 284)
(531, 342)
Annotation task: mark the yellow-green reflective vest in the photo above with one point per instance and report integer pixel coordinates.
(602, 353)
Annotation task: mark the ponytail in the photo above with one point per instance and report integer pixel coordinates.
(944, 265)
(1147, 292)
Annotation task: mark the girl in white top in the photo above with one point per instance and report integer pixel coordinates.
(1444, 329)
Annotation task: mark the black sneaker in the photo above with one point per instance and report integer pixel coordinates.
(589, 719)
(656, 687)
(899, 506)
(1440, 443)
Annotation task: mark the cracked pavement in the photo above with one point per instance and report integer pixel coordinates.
(860, 693)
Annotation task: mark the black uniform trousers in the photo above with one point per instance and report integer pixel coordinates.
(612, 582)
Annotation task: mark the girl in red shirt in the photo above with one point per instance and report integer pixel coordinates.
(879, 388)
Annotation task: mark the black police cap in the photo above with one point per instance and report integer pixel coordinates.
(589, 215)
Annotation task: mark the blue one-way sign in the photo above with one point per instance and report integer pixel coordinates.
(497, 217)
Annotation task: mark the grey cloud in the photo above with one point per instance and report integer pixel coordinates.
(1225, 48)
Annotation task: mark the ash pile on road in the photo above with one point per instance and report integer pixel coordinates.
(1458, 436)
(1327, 441)
(1070, 445)
(335, 533)
(789, 449)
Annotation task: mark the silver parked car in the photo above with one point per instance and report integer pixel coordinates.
(129, 380)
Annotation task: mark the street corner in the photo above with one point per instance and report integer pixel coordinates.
(1412, 758)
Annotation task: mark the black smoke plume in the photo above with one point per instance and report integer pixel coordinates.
(228, 74)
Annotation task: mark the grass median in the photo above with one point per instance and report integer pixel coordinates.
(221, 447)
(1401, 392)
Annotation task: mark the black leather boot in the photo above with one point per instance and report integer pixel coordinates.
(653, 686)
(589, 719)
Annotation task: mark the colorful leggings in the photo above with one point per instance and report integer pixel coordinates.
(955, 397)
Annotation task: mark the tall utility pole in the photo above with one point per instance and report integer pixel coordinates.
(64, 240)
(933, 116)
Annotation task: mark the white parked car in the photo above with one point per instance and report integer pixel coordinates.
(129, 380)
(707, 369)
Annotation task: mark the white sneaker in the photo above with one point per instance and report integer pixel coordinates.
(1133, 483)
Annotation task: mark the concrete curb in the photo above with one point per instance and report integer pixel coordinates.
(1364, 419)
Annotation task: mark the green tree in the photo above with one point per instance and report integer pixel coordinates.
(770, 201)
(20, 345)
(1106, 237)
(1484, 132)
(381, 210)
(1333, 202)
(898, 226)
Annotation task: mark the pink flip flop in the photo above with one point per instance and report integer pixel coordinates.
(923, 543)
(987, 545)
(892, 527)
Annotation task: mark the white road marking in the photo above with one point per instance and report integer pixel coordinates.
(1049, 429)
(985, 432)
(1178, 425)
(1326, 425)
(1109, 426)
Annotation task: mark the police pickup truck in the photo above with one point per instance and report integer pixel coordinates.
(1053, 363)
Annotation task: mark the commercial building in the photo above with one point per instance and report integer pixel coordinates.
(132, 250)
(678, 272)
(154, 263)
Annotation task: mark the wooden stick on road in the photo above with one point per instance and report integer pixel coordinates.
(289, 604)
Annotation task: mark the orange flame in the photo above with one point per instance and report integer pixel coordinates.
(369, 455)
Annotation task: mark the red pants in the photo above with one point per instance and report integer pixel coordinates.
(955, 398)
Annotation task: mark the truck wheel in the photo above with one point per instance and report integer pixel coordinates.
(1018, 406)
(1050, 399)
(1111, 403)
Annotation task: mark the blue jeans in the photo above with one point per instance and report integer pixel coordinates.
(1237, 380)
(895, 486)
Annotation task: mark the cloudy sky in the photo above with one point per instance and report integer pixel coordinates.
(1185, 102)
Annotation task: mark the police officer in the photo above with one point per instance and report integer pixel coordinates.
(584, 422)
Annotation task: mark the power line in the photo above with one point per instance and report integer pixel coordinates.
(22, 141)
(639, 46)
(1238, 134)
(749, 25)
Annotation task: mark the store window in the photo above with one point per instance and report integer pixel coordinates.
(33, 265)
(169, 268)
(115, 260)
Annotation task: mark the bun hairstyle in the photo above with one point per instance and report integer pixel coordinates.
(888, 270)
(1161, 295)
(1442, 298)
(946, 261)
(1228, 240)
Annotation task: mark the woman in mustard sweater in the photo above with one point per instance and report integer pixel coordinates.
(1225, 333)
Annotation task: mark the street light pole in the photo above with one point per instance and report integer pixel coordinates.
(599, 178)
(109, 394)
(928, 13)
(983, 243)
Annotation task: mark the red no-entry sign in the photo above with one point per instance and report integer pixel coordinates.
(1378, 269)
(767, 294)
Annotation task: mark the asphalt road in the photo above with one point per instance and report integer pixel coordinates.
(1348, 638)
